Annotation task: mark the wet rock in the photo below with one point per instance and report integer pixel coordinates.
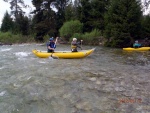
(66, 96)
(83, 105)
(61, 106)
(92, 79)
(1, 44)
(119, 89)
(98, 82)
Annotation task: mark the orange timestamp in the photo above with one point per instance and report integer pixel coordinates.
(130, 100)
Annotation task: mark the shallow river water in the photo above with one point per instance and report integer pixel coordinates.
(108, 81)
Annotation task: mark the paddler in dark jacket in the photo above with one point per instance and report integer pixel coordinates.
(52, 45)
(75, 45)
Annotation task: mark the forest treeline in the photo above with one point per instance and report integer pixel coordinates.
(113, 23)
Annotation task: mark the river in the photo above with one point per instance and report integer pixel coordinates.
(110, 80)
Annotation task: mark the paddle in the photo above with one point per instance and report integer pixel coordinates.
(81, 44)
(53, 56)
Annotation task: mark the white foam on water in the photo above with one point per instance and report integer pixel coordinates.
(2, 93)
(22, 54)
(42, 62)
(6, 49)
(2, 68)
(29, 78)
(24, 44)
(50, 58)
(16, 85)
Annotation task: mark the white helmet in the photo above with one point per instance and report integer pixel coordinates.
(74, 39)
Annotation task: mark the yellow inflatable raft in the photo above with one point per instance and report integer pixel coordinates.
(137, 49)
(63, 54)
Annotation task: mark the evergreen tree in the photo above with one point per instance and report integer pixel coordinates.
(60, 5)
(98, 9)
(77, 9)
(85, 14)
(23, 24)
(48, 21)
(7, 23)
(91, 13)
(146, 26)
(16, 7)
(69, 13)
(44, 19)
(123, 22)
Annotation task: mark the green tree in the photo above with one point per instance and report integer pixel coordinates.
(70, 28)
(123, 22)
(16, 7)
(48, 21)
(91, 13)
(60, 5)
(146, 26)
(98, 9)
(7, 23)
(69, 12)
(22, 24)
(44, 19)
(85, 14)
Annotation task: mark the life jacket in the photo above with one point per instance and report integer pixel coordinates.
(136, 45)
(51, 44)
(73, 45)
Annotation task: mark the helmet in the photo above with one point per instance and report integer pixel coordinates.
(51, 39)
(74, 39)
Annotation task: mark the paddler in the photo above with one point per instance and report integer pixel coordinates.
(136, 44)
(52, 45)
(75, 45)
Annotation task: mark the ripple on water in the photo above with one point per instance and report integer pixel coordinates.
(90, 85)
(5, 49)
(2, 93)
(2, 67)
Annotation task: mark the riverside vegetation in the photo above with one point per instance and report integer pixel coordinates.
(8, 38)
(113, 23)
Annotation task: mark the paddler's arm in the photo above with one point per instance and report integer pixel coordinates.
(56, 40)
(50, 48)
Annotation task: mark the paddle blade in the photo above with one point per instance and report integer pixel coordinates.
(54, 56)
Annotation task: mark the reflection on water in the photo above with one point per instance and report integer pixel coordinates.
(107, 81)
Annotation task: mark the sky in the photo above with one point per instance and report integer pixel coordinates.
(6, 6)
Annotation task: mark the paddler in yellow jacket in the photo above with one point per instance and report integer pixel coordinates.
(75, 45)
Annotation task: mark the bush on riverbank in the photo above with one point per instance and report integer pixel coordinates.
(69, 28)
(74, 28)
(9, 38)
(93, 37)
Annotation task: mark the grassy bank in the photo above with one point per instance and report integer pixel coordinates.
(9, 38)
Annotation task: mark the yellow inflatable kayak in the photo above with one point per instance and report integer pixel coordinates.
(137, 49)
(63, 54)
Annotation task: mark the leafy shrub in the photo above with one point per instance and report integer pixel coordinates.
(71, 27)
(8, 37)
(91, 38)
